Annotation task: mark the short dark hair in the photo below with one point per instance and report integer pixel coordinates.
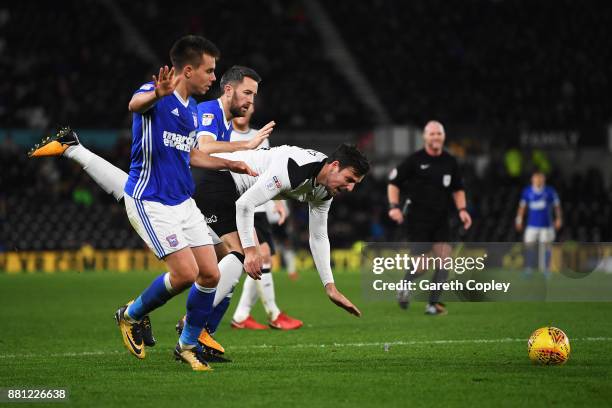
(349, 156)
(236, 74)
(189, 49)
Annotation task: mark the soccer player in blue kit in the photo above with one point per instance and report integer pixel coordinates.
(541, 200)
(157, 193)
(239, 94)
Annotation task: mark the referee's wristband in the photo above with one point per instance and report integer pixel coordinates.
(392, 206)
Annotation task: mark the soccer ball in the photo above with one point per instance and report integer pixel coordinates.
(549, 346)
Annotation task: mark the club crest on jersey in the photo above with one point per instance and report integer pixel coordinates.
(207, 119)
(273, 184)
(446, 180)
(172, 240)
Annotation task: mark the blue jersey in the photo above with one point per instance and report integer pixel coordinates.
(212, 121)
(162, 138)
(540, 204)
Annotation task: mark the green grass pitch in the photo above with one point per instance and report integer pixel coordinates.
(58, 331)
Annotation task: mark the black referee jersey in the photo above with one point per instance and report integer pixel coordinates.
(428, 181)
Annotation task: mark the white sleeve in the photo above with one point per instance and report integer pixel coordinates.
(319, 241)
(268, 185)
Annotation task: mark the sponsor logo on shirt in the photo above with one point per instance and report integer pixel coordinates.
(424, 166)
(179, 142)
(211, 220)
(537, 204)
(207, 119)
(175, 112)
(147, 87)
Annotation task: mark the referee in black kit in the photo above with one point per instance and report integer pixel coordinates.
(428, 177)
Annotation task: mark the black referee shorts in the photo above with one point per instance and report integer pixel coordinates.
(216, 197)
(263, 230)
(432, 230)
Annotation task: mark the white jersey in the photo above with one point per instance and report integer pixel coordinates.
(285, 172)
(238, 136)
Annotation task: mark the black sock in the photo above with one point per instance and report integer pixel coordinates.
(440, 275)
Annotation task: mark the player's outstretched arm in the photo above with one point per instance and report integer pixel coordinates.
(208, 145)
(164, 84)
(320, 249)
(199, 159)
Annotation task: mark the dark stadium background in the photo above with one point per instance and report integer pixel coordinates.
(518, 84)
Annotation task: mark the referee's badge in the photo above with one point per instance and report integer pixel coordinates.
(393, 174)
(446, 180)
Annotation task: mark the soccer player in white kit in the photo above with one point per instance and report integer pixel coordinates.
(264, 288)
(285, 172)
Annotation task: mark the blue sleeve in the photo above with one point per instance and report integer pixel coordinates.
(554, 197)
(207, 120)
(524, 196)
(146, 87)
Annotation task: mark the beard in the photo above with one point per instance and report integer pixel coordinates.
(235, 109)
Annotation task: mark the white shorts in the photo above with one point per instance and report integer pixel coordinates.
(539, 234)
(168, 228)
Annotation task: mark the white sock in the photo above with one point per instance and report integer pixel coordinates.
(111, 178)
(247, 300)
(230, 268)
(268, 297)
(289, 255)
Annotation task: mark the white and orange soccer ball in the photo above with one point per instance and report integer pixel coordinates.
(548, 346)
